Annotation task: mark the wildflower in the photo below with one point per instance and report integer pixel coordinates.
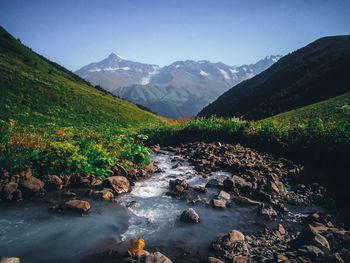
(42, 164)
(53, 163)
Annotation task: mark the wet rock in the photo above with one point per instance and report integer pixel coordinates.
(236, 182)
(53, 182)
(104, 194)
(267, 211)
(10, 191)
(10, 260)
(239, 259)
(177, 165)
(141, 254)
(176, 182)
(132, 204)
(129, 246)
(281, 229)
(190, 216)
(32, 186)
(214, 260)
(223, 195)
(119, 184)
(218, 203)
(157, 257)
(311, 252)
(245, 200)
(214, 183)
(77, 205)
(200, 189)
(234, 236)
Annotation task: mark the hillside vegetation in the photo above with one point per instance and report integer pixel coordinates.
(311, 74)
(55, 122)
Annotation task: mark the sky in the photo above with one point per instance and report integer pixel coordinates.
(75, 33)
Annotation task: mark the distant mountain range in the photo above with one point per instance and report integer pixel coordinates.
(182, 88)
(314, 73)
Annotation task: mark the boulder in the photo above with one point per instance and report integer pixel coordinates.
(157, 257)
(77, 205)
(141, 254)
(10, 260)
(234, 236)
(104, 194)
(9, 191)
(174, 183)
(32, 186)
(200, 189)
(267, 211)
(236, 182)
(214, 260)
(218, 203)
(223, 195)
(119, 184)
(190, 216)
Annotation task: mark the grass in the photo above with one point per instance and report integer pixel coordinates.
(53, 122)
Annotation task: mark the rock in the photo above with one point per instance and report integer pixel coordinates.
(281, 229)
(141, 254)
(177, 165)
(320, 240)
(53, 182)
(267, 211)
(118, 183)
(174, 183)
(157, 257)
(200, 189)
(312, 252)
(245, 200)
(236, 182)
(189, 216)
(9, 190)
(218, 203)
(119, 170)
(104, 194)
(10, 260)
(214, 183)
(130, 246)
(132, 204)
(239, 259)
(223, 195)
(179, 189)
(234, 236)
(32, 186)
(77, 205)
(214, 260)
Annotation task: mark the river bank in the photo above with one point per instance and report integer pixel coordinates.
(276, 215)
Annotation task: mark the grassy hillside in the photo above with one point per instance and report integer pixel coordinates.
(311, 74)
(53, 121)
(334, 112)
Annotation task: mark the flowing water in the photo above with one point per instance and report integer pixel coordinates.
(32, 232)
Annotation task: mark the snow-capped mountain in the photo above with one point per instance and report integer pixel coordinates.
(182, 88)
(115, 72)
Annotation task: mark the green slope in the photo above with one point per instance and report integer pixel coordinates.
(311, 74)
(54, 122)
(35, 91)
(332, 111)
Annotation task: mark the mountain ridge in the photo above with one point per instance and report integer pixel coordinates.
(308, 75)
(181, 88)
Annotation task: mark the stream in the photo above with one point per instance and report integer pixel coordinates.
(32, 232)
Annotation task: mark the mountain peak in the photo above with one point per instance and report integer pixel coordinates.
(115, 57)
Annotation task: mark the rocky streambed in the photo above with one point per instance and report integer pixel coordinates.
(199, 203)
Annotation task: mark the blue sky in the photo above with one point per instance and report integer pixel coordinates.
(74, 33)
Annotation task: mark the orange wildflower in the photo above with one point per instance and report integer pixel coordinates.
(53, 163)
(42, 164)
